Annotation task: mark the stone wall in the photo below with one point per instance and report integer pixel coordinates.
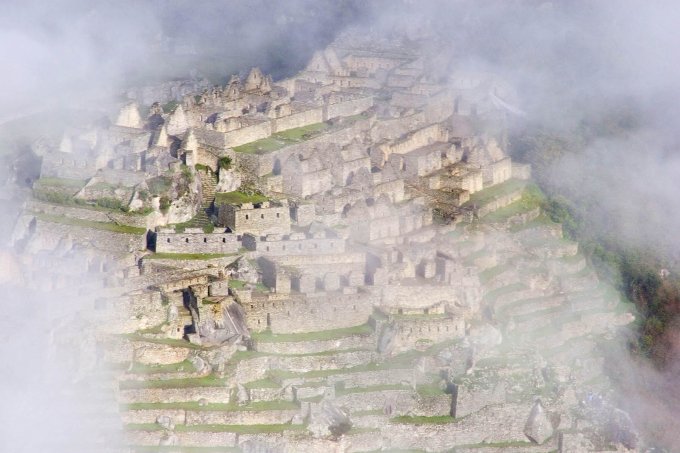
(218, 243)
(349, 107)
(401, 401)
(521, 171)
(412, 331)
(501, 171)
(500, 202)
(175, 395)
(314, 313)
(67, 165)
(298, 119)
(248, 134)
(492, 424)
(393, 128)
(266, 247)
(162, 354)
(263, 417)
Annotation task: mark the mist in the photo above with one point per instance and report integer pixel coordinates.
(571, 63)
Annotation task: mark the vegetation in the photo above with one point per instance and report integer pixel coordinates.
(238, 197)
(224, 162)
(532, 198)
(424, 420)
(485, 196)
(206, 381)
(281, 139)
(170, 107)
(141, 368)
(269, 337)
(371, 388)
(633, 270)
(113, 227)
(164, 204)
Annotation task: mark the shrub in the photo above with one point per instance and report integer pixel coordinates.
(225, 162)
(109, 203)
(164, 204)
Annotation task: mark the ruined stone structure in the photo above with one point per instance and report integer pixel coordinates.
(390, 293)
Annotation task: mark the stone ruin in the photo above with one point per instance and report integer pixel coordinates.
(372, 281)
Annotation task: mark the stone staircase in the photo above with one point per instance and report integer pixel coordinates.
(208, 185)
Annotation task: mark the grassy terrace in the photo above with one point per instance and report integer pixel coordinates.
(112, 227)
(281, 139)
(485, 196)
(488, 274)
(268, 337)
(532, 198)
(240, 284)
(231, 407)
(371, 388)
(264, 383)
(186, 256)
(239, 429)
(141, 368)
(166, 341)
(206, 381)
(237, 197)
(424, 420)
(62, 183)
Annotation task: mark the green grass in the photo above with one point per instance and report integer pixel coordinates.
(186, 256)
(152, 330)
(61, 183)
(268, 337)
(112, 227)
(237, 197)
(532, 198)
(206, 381)
(429, 390)
(301, 133)
(541, 221)
(231, 407)
(265, 383)
(282, 139)
(141, 368)
(424, 420)
(237, 284)
(239, 429)
(486, 195)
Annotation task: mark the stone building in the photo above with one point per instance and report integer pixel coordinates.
(194, 240)
(268, 217)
